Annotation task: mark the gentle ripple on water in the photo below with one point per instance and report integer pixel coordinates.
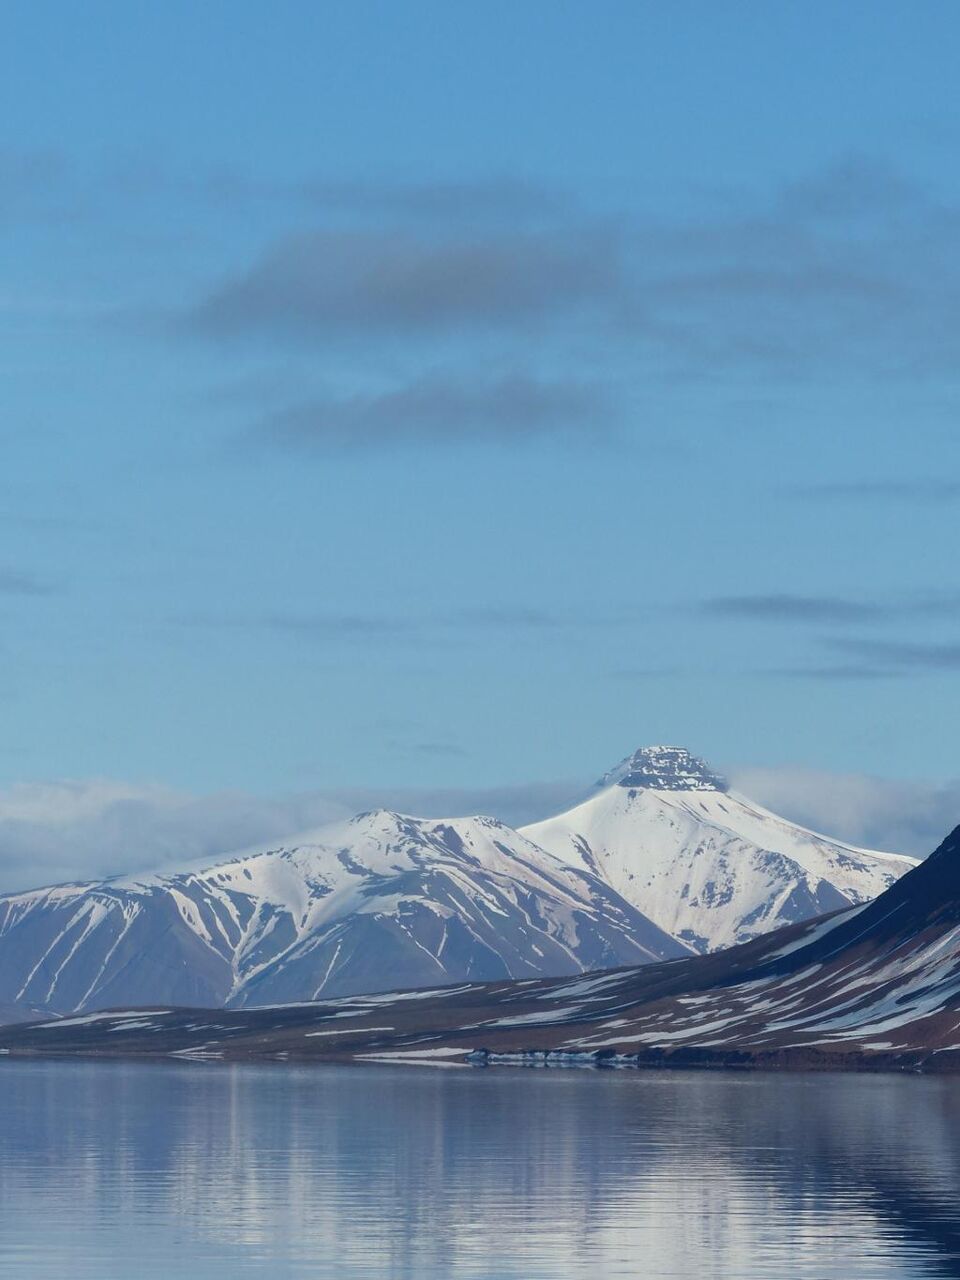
(111, 1170)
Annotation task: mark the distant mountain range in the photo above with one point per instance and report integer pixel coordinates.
(873, 987)
(659, 861)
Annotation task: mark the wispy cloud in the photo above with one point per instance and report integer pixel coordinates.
(327, 626)
(864, 658)
(840, 274)
(782, 607)
(503, 199)
(833, 672)
(920, 492)
(647, 673)
(335, 282)
(845, 270)
(331, 627)
(875, 813)
(909, 655)
(441, 410)
(817, 264)
(852, 187)
(789, 608)
(69, 830)
(16, 582)
(37, 184)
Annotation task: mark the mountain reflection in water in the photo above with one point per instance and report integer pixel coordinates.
(111, 1169)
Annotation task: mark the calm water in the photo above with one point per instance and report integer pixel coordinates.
(110, 1170)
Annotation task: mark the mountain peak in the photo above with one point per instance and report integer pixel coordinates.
(664, 769)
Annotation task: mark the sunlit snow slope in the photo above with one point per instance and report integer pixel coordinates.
(381, 900)
(707, 865)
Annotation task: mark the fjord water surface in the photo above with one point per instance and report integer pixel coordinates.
(111, 1170)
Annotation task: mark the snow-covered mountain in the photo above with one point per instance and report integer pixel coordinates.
(706, 864)
(381, 900)
(661, 851)
(873, 987)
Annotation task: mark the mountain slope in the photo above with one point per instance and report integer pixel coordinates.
(18, 1013)
(382, 899)
(872, 987)
(707, 865)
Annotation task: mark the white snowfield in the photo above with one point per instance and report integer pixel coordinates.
(708, 865)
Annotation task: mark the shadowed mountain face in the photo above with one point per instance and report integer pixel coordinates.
(382, 899)
(707, 865)
(18, 1013)
(876, 986)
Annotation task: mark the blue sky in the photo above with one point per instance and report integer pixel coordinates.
(435, 394)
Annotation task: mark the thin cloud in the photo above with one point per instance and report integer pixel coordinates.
(851, 187)
(782, 607)
(511, 616)
(70, 830)
(919, 492)
(476, 200)
(31, 170)
(333, 627)
(325, 626)
(337, 626)
(79, 830)
(874, 813)
(34, 181)
(835, 672)
(647, 673)
(839, 610)
(36, 185)
(330, 283)
(15, 582)
(491, 199)
(441, 410)
(910, 655)
(840, 274)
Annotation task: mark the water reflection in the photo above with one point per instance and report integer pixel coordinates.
(108, 1170)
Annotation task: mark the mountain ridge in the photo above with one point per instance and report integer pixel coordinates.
(633, 874)
(873, 987)
(425, 900)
